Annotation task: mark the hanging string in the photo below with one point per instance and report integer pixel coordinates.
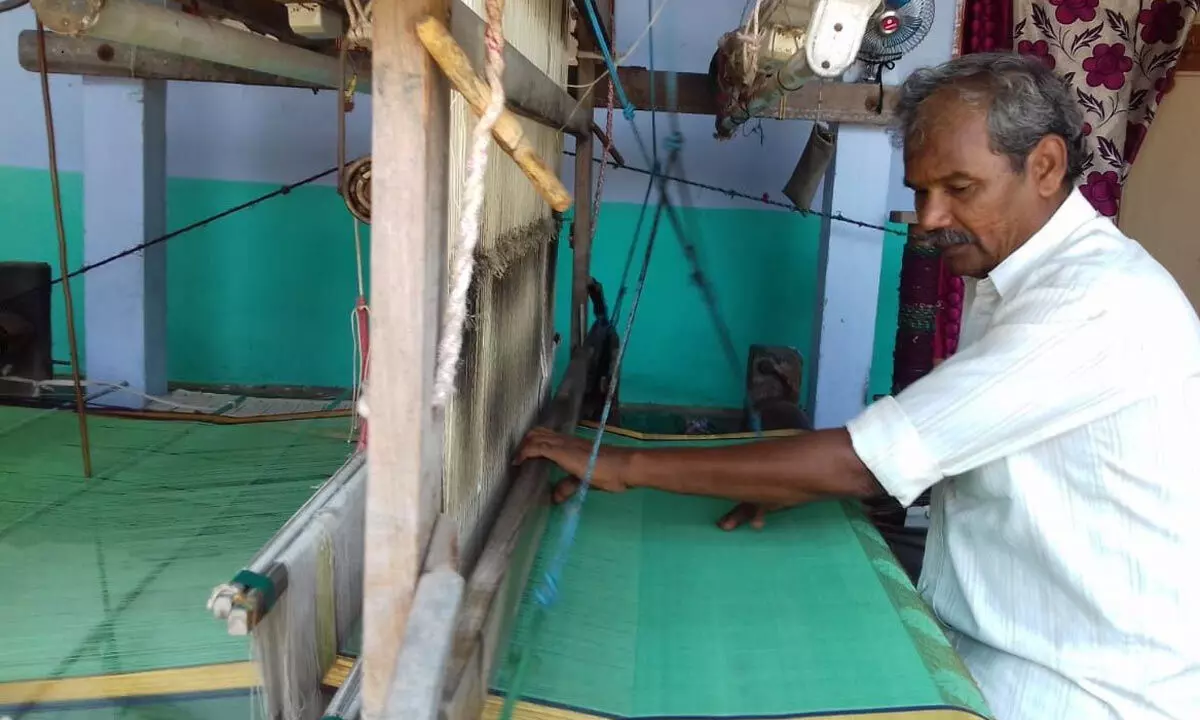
(360, 330)
(605, 152)
(463, 262)
(56, 192)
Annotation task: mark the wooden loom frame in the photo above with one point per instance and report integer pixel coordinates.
(410, 177)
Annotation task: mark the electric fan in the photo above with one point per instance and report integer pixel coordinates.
(897, 27)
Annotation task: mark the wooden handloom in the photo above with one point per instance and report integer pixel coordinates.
(422, 600)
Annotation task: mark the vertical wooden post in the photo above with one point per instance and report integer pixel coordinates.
(581, 233)
(409, 156)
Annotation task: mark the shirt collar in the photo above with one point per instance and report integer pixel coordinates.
(1075, 211)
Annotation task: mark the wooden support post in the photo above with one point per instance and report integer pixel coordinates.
(581, 231)
(409, 187)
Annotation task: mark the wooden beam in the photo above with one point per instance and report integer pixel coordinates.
(581, 231)
(1189, 56)
(529, 92)
(496, 583)
(410, 145)
(507, 130)
(847, 103)
(92, 57)
(584, 33)
(265, 17)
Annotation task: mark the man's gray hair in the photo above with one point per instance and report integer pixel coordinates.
(1025, 101)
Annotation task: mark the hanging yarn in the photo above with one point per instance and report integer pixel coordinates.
(463, 257)
(360, 324)
(604, 155)
(506, 360)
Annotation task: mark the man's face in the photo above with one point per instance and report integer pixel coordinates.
(969, 200)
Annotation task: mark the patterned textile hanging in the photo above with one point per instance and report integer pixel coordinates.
(1120, 60)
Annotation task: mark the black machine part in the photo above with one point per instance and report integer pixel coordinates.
(24, 326)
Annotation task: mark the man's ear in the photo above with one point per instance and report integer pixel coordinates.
(1047, 164)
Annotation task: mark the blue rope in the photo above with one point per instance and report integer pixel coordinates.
(546, 592)
(627, 108)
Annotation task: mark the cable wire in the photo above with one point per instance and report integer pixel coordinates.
(762, 200)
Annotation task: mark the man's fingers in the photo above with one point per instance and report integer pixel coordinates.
(565, 489)
(740, 515)
(760, 517)
(536, 444)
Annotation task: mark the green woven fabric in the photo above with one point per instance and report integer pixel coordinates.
(662, 614)
(110, 575)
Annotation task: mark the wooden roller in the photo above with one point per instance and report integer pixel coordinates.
(508, 131)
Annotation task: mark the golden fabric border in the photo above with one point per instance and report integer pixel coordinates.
(175, 681)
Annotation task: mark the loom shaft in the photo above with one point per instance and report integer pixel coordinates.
(152, 26)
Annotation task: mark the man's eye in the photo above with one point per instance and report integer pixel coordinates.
(960, 189)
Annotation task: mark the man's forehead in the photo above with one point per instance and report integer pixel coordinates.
(952, 140)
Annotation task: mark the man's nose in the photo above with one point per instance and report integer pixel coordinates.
(933, 214)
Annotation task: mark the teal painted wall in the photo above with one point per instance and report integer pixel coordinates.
(763, 267)
(264, 296)
(880, 380)
(261, 297)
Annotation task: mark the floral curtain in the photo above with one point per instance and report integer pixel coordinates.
(1120, 60)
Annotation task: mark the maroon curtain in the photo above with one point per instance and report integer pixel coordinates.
(984, 26)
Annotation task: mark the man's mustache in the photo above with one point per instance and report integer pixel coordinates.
(944, 238)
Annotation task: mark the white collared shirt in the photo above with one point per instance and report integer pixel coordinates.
(1064, 544)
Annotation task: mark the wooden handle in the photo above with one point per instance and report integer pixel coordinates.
(508, 131)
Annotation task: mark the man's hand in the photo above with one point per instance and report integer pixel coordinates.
(753, 513)
(571, 454)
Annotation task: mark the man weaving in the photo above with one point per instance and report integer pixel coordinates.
(1059, 442)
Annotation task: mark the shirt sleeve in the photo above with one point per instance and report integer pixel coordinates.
(1020, 384)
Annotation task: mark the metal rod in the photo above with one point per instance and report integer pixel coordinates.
(159, 28)
(80, 405)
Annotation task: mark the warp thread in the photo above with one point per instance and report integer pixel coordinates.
(463, 268)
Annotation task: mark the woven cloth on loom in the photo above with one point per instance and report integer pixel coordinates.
(108, 575)
(663, 615)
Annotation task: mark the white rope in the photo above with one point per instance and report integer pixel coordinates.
(463, 255)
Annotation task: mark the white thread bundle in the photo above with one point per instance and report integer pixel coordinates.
(463, 257)
(507, 352)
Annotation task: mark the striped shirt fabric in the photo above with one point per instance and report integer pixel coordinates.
(1061, 443)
